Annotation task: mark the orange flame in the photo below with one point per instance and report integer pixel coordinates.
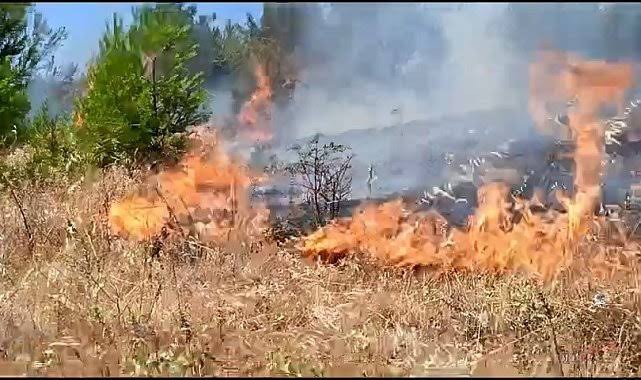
(206, 194)
(593, 84)
(255, 115)
(78, 119)
(495, 241)
(504, 234)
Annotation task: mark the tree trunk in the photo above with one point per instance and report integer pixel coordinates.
(317, 189)
(53, 143)
(153, 83)
(154, 95)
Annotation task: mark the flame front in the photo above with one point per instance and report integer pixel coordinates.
(255, 115)
(498, 239)
(504, 233)
(206, 194)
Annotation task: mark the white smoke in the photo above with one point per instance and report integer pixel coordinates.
(458, 66)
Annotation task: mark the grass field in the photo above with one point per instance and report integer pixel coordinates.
(78, 301)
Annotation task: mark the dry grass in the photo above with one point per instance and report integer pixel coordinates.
(85, 303)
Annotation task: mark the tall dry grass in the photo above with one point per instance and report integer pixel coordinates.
(78, 301)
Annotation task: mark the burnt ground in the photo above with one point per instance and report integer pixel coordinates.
(416, 156)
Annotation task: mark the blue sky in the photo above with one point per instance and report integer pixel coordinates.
(85, 22)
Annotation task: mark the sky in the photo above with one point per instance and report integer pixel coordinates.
(85, 23)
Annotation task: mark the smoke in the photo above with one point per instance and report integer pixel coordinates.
(383, 64)
(422, 75)
(474, 75)
(419, 77)
(42, 89)
(221, 100)
(362, 61)
(56, 90)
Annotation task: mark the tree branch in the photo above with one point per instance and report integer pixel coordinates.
(22, 213)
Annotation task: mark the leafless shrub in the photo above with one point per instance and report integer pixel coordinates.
(324, 173)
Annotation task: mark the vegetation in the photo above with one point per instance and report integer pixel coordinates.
(75, 300)
(143, 90)
(53, 146)
(324, 173)
(84, 303)
(140, 94)
(23, 50)
(237, 49)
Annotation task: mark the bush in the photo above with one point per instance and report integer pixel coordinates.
(53, 145)
(324, 174)
(50, 151)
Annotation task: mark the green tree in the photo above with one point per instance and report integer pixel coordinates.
(140, 93)
(23, 50)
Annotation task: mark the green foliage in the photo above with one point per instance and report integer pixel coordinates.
(231, 46)
(110, 116)
(53, 145)
(14, 103)
(286, 22)
(236, 49)
(50, 152)
(22, 51)
(231, 50)
(140, 91)
(235, 45)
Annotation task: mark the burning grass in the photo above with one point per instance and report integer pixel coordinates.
(205, 195)
(87, 303)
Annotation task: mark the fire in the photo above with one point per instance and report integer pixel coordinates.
(78, 119)
(255, 114)
(206, 195)
(499, 238)
(505, 233)
(594, 84)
